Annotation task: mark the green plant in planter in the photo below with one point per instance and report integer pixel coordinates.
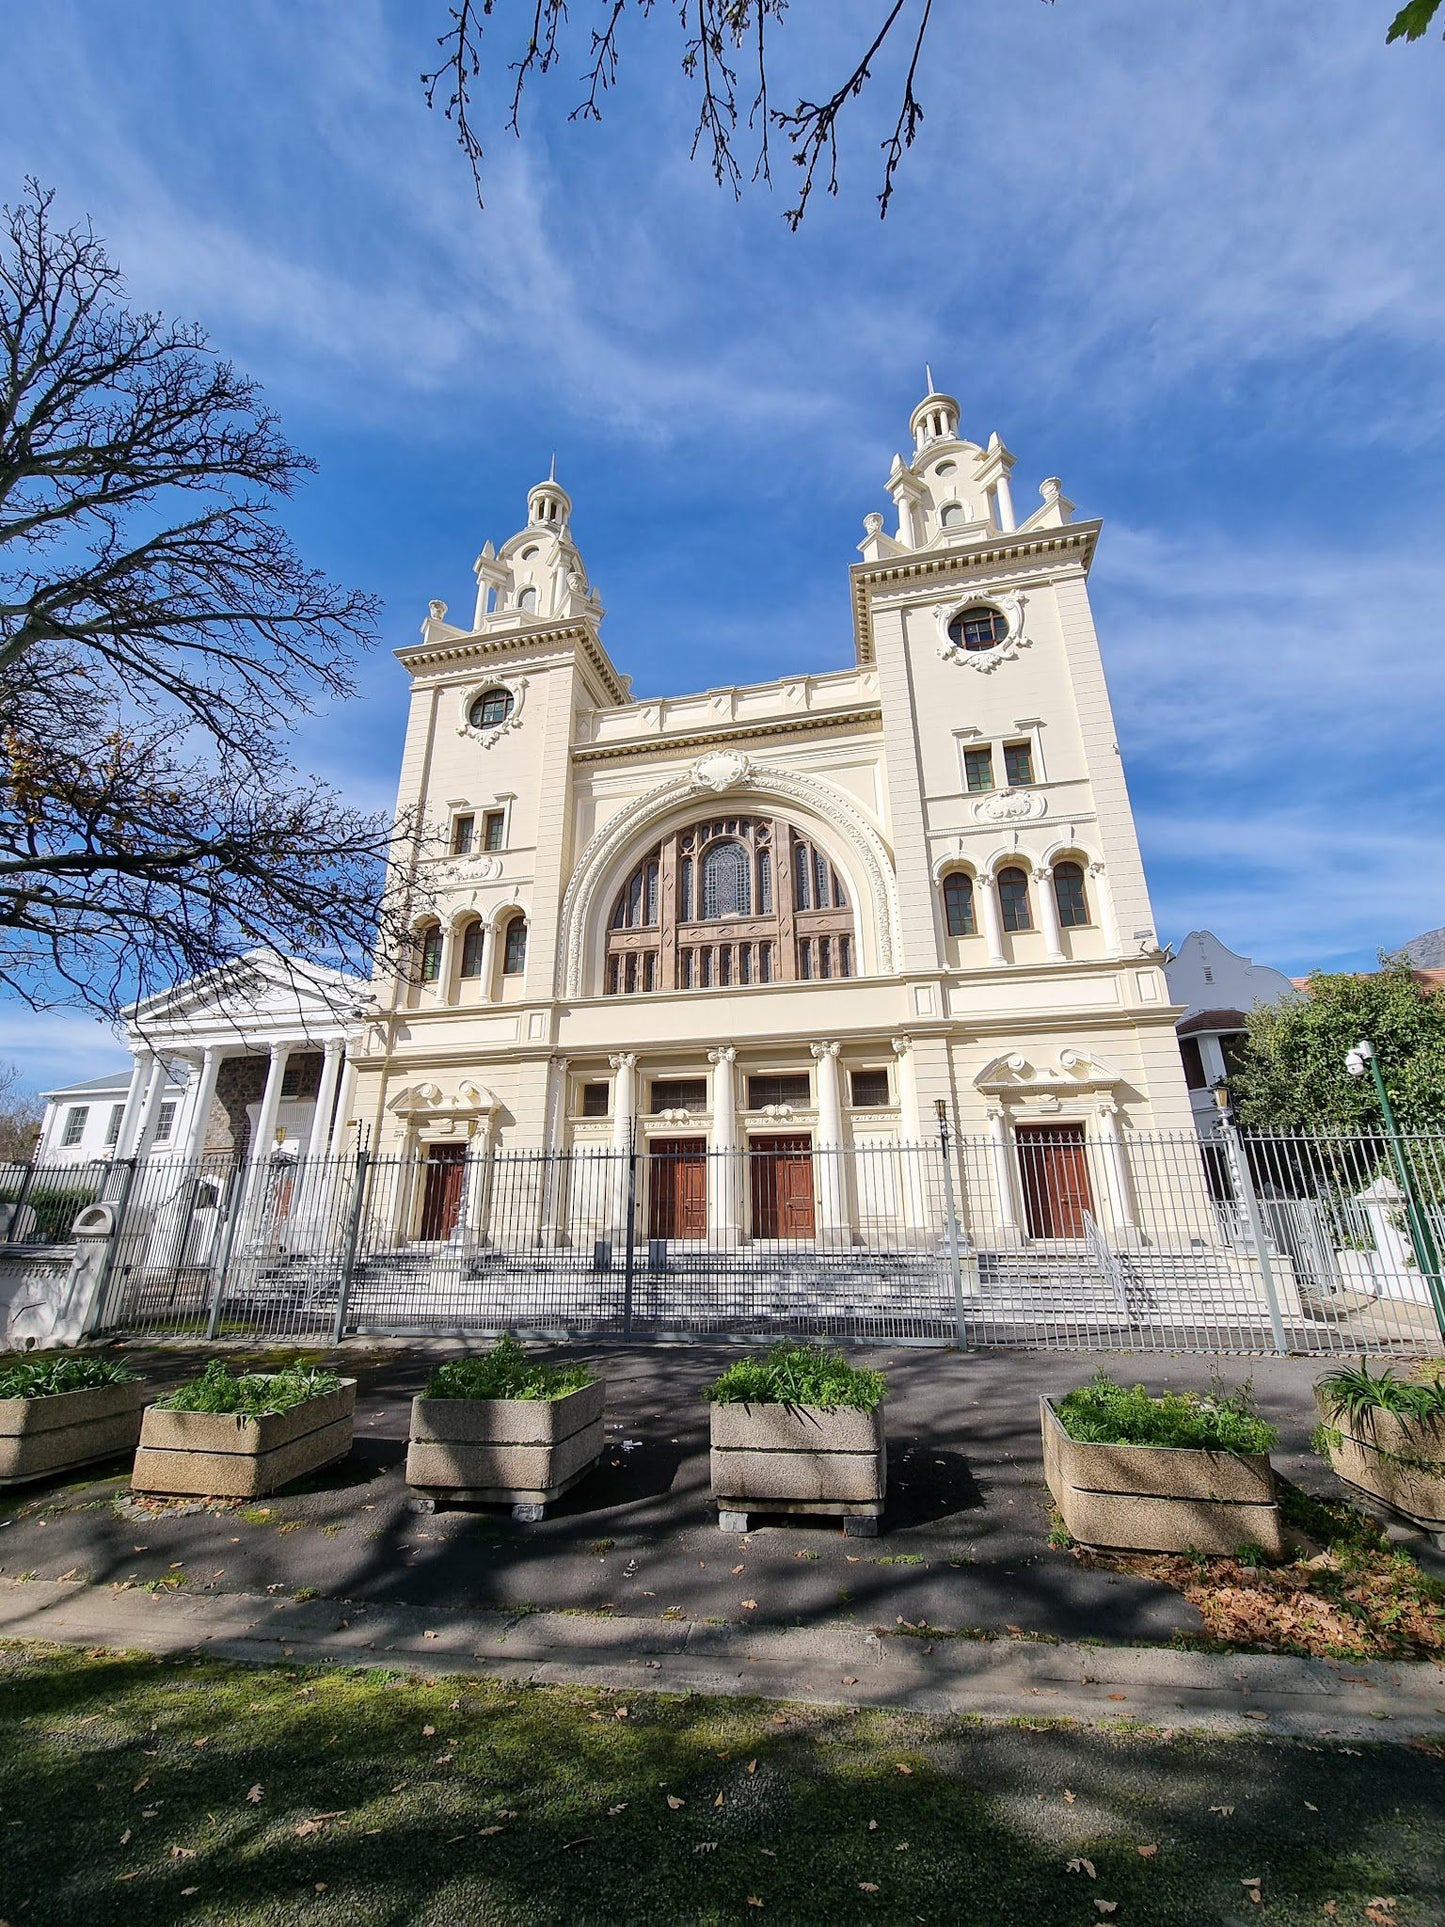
(798, 1375)
(507, 1372)
(1106, 1413)
(48, 1377)
(250, 1394)
(1353, 1392)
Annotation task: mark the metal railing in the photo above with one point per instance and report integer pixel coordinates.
(1042, 1234)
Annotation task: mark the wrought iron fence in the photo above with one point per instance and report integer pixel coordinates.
(1041, 1234)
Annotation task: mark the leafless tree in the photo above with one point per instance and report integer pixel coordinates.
(720, 38)
(159, 636)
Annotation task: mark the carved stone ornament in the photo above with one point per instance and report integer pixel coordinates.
(1011, 605)
(516, 688)
(1009, 806)
(721, 770)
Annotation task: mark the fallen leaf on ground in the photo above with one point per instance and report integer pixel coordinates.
(706, 1846)
(869, 1886)
(873, 1826)
(428, 1732)
(850, 1679)
(1069, 1798)
(718, 1801)
(189, 1890)
(1311, 1805)
(1107, 1906)
(674, 1802)
(1147, 1853)
(1380, 1912)
(737, 1570)
(144, 1780)
(1224, 1812)
(568, 1845)
(1081, 1866)
(750, 1605)
(899, 1767)
(753, 1901)
(621, 1807)
(752, 1766)
(307, 1827)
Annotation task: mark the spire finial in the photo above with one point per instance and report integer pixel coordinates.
(928, 378)
(552, 472)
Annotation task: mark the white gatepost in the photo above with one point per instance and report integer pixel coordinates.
(1008, 1224)
(1116, 1176)
(554, 1163)
(624, 1125)
(832, 1197)
(911, 1149)
(723, 1186)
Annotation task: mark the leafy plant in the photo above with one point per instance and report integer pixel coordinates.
(798, 1375)
(250, 1394)
(49, 1377)
(1105, 1413)
(1354, 1392)
(507, 1372)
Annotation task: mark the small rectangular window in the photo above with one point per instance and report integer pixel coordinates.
(870, 1089)
(494, 826)
(290, 1079)
(75, 1123)
(112, 1130)
(431, 955)
(595, 1099)
(978, 768)
(779, 1088)
(679, 1093)
(1194, 1077)
(1018, 762)
(462, 829)
(165, 1122)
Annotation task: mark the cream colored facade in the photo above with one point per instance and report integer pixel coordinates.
(972, 633)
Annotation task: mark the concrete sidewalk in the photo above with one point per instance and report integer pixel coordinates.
(1010, 1679)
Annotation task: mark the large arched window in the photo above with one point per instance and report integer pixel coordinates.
(472, 942)
(429, 954)
(1013, 900)
(958, 904)
(729, 901)
(514, 947)
(1069, 894)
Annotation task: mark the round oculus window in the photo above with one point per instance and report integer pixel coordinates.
(978, 627)
(490, 709)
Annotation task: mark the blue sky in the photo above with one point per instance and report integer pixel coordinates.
(1190, 260)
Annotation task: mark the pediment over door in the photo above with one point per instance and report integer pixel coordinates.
(1016, 1073)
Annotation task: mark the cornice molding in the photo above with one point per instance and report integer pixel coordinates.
(552, 638)
(1075, 540)
(728, 733)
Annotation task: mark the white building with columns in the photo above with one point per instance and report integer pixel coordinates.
(785, 916)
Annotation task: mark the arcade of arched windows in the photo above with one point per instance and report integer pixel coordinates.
(731, 900)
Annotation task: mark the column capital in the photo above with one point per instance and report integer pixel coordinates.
(820, 1051)
(984, 880)
(900, 1046)
(333, 1046)
(1043, 874)
(724, 1054)
(623, 1060)
(558, 1063)
(1097, 867)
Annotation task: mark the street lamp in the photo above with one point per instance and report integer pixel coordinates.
(1357, 1061)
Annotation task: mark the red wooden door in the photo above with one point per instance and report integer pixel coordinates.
(1055, 1170)
(677, 1187)
(782, 1186)
(441, 1200)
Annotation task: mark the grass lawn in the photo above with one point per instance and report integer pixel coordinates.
(136, 1790)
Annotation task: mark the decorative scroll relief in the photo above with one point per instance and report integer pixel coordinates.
(1072, 1070)
(722, 770)
(1009, 806)
(822, 800)
(427, 1100)
(1011, 605)
(516, 688)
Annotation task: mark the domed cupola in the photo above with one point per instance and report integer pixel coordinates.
(935, 419)
(549, 506)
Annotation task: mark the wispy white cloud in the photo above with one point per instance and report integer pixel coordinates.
(56, 1047)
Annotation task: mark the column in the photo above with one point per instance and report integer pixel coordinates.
(319, 1134)
(624, 1124)
(203, 1098)
(1049, 915)
(554, 1157)
(1004, 493)
(914, 1150)
(992, 923)
(262, 1142)
(1104, 909)
(1008, 1224)
(828, 1156)
(134, 1098)
(1116, 1176)
(150, 1109)
(723, 1189)
(449, 953)
(340, 1135)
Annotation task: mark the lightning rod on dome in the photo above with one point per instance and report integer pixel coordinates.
(928, 377)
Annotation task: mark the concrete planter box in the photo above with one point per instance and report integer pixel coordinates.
(799, 1458)
(40, 1437)
(522, 1452)
(1162, 1498)
(223, 1455)
(1397, 1461)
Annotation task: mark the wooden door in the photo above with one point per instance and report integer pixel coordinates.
(781, 1170)
(441, 1200)
(1054, 1167)
(677, 1187)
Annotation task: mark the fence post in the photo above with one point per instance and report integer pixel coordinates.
(952, 1232)
(223, 1263)
(631, 1245)
(97, 1322)
(353, 1234)
(12, 1230)
(1239, 1158)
